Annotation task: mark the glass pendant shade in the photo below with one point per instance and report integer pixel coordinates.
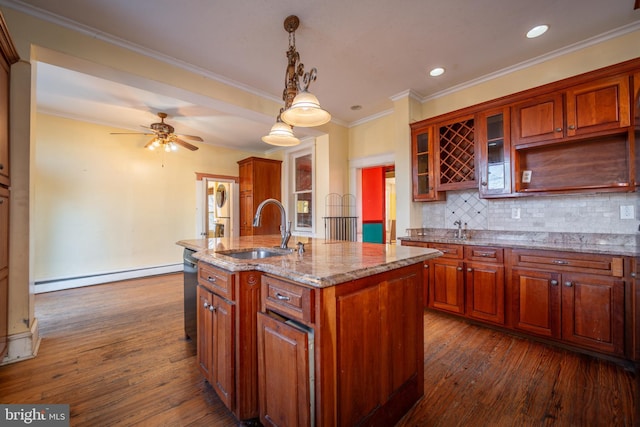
(281, 135)
(305, 111)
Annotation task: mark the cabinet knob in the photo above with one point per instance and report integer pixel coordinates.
(568, 284)
(571, 127)
(459, 268)
(554, 283)
(212, 308)
(1, 166)
(211, 279)
(469, 269)
(206, 304)
(632, 274)
(558, 129)
(425, 266)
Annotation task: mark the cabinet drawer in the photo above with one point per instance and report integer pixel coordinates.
(449, 250)
(288, 299)
(569, 261)
(216, 280)
(484, 254)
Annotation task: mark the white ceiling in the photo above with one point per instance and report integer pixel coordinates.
(366, 52)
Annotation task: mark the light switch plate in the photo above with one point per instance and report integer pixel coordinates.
(627, 212)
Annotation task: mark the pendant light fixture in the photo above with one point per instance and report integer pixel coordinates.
(301, 108)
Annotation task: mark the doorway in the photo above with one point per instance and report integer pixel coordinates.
(378, 204)
(218, 206)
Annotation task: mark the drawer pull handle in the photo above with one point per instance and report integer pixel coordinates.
(560, 262)
(568, 284)
(444, 251)
(211, 279)
(554, 283)
(486, 254)
(281, 297)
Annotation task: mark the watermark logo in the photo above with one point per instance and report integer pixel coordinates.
(34, 415)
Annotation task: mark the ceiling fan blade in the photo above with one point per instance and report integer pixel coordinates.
(191, 137)
(185, 144)
(131, 133)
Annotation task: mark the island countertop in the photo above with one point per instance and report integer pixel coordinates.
(324, 262)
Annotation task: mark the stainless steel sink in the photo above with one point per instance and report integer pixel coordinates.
(254, 253)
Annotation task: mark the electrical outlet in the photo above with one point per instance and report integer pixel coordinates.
(515, 213)
(627, 212)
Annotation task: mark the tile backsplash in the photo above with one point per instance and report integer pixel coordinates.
(592, 213)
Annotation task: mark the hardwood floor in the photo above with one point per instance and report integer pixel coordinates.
(116, 354)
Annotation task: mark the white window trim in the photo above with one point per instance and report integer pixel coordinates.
(305, 148)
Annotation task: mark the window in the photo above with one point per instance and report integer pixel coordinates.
(303, 192)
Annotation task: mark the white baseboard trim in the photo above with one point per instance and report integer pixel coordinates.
(23, 346)
(97, 279)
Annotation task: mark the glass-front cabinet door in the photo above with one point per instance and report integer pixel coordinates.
(423, 158)
(493, 146)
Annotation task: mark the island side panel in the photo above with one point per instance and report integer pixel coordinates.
(370, 336)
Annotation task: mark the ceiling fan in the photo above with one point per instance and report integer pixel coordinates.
(164, 137)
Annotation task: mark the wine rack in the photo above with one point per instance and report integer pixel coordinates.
(457, 160)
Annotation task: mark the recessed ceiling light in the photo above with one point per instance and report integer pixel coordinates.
(436, 72)
(537, 31)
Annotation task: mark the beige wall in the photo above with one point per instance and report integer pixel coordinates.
(103, 203)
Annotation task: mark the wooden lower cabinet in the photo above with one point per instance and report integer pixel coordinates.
(446, 290)
(367, 359)
(587, 301)
(283, 360)
(204, 316)
(584, 310)
(227, 336)
(485, 285)
(468, 281)
(536, 302)
(593, 312)
(215, 349)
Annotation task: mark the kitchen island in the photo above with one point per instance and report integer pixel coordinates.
(338, 338)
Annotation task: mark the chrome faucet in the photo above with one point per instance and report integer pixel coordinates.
(285, 228)
(459, 231)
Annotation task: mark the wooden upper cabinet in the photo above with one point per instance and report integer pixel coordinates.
(423, 164)
(538, 119)
(600, 106)
(493, 149)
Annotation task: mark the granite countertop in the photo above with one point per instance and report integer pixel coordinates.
(324, 263)
(599, 243)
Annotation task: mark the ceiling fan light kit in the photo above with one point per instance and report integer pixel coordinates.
(301, 108)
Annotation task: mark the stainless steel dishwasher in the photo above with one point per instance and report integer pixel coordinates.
(190, 294)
